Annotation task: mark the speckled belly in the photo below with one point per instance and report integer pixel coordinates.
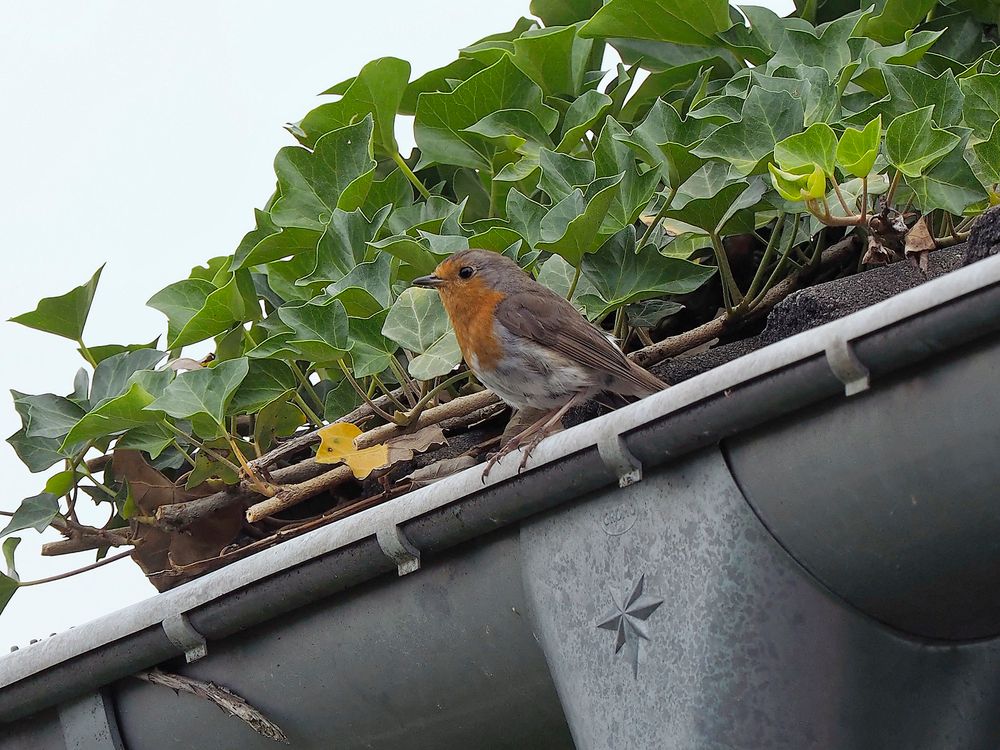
(529, 375)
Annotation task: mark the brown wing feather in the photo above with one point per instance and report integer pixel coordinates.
(537, 313)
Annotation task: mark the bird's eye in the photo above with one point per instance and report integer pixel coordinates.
(466, 272)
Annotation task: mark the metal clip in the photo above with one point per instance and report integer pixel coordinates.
(182, 634)
(847, 367)
(619, 459)
(397, 547)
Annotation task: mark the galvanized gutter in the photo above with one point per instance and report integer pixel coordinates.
(840, 358)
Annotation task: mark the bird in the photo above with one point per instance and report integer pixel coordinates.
(528, 344)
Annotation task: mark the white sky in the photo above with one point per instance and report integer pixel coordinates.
(142, 135)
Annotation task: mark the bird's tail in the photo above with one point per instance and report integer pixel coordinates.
(643, 382)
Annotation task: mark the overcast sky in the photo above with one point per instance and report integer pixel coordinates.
(142, 135)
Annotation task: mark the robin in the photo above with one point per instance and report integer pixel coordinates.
(527, 344)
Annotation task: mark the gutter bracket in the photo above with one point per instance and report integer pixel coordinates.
(619, 459)
(393, 542)
(182, 634)
(88, 723)
(847, 367)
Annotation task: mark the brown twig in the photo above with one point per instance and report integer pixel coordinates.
(225, 699)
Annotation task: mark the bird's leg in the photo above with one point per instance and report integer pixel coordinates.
(514, 442)
(536, 432)
(544, 429)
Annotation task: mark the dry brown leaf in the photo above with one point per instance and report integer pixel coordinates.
(439, 470)
(919, 243)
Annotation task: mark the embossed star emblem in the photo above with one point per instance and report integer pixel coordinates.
(628, 620)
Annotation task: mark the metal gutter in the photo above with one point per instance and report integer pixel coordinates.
(839, 358)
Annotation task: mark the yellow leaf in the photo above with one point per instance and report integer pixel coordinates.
(337, 446)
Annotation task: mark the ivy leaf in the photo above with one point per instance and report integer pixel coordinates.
(340, 400)
(805, 182)
(152, 438)
(283, 243)
(102, 352)
(123, 412)
(613, 158)
(555, 58)
(65, 315)
(441, 358)
(202, 393)
(9, 582)
(410, 251)
(663, 140)
(897, 19)
(442, 118)
(319, 329)
(767, 117)
(266, 381)
(525, 216)
(875, 56)
(709, 201)
(558, 275)
(911, 89)
(912, 143)
(46, 415)
(196, 310)
(337, 446)
(823, 46)
(982, 103)
(582, 115)
(366, 290)
(371, 352)
(377, 90)
(343, 245)
(33, 513)
(512, 129)
(417, 320)
(439, 79)
(112, 374)
(278, 419)
(661, 20)
(817, 144)
(950, 185)
(857, 150)
(336, 174)
(38, 454)
(562, 174)
(564, 12)
(572, 228)
(622, 275)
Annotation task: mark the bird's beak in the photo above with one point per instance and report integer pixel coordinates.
(428, 282)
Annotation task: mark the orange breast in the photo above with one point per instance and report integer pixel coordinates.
(470, 307)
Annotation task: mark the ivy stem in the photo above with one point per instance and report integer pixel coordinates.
(732, 293)
(86, 353)
(366, 397)
(772, 245)
(312, 416)
(187, 456)
(388, 393)
(840, 197)
(892, 188)
(419, 406)
(201, 446)
(782, 261)
(405, 381)
(100, 485)
(307, 386)
(658, 218)
(575, 281)
(262, 487)
(864, 200)
(84, 569)
(405, 169)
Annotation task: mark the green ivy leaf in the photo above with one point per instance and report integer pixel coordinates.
(112, 375)
(33, 513)
(152, 438)
(525, 216)
(562, 174)
(555, 58)
(367, 289)
(622, 275)
(439, 79)
(982, 103)
(613, 158)
(950, 184)
(340, 400)
(284, 243)
(371, 352)
(38, 454)
(65, 315)
(582, 115)
(202, 393)
(377, 91)
(912, 143)
(418, 323)
(874, 57)
(131, 409)
(823, 46)
(801, 183)
(858, 149)
(46, 415)
(663, 140)
(278, 419)
(767, 118)
(267, 380)
(196, 310)
(897, 19)
(709, 201)
(336, 174)
(442, 119)
(661, 20)
(9, 581)
(564, 12)
(557, 275)
(572, 228)
(319, 329)
(817, 144)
